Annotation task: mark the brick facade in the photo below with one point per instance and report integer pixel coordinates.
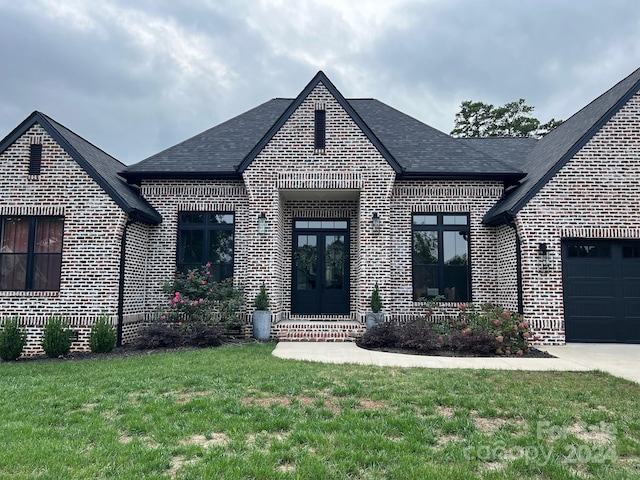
(93, 226)
(289, 179)
(593, 196)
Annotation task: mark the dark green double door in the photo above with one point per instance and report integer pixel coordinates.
(320, 277)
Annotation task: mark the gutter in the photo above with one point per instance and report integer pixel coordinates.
(511, 223)
(123, 243)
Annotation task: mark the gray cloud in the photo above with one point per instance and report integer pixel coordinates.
(137, 79)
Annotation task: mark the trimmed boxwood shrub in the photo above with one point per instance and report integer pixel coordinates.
(12, 340)
(102, 338)
(57, 338)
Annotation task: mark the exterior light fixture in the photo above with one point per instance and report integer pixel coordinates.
(543, 252)
(262, 223)
(543, 249)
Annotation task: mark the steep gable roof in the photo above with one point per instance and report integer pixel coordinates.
(214, 153)
(427, 153)
(320, 78)
(414, 149)
(555, 149)
(100, 166)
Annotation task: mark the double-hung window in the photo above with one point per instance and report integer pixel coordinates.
(206, 237)
(441, 257)
(30, 253)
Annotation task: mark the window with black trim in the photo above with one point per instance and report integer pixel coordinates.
(206, 237)
(441, 257)
(30, 253)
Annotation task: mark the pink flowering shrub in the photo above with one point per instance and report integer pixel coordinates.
(195, 298)
(492, 321)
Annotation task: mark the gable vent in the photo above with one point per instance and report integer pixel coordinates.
(320, 128)
(35, 159)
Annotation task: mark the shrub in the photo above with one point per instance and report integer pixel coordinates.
(195, 298)
(202, 335)
(382, 335)
(12, 340)
(376, 302)
(102, 338)
(261, 301)
(157, 335)
(419, 335)
(57, 338)
(480, 343)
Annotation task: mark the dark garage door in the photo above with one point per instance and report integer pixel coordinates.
(601, 282)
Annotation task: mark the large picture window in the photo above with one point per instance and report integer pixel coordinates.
(30, 253)
(206, 237)
(441, 257)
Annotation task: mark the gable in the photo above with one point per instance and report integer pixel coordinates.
(320, 81)
(554, 150)
(101, 167)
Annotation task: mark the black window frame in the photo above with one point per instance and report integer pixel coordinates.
(440, 228)
(219, 270)
(31, 253)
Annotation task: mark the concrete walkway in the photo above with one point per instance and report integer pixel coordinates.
(617, 359)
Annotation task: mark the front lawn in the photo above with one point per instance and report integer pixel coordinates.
(237, 412)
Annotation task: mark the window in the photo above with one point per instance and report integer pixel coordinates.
(206, 237)
(441, 257)
(35, 159)
(30, 253)
(320, 130)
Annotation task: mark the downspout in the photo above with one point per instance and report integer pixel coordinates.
(512, 224)
(123, 255)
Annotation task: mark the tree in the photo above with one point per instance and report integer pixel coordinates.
(513, 119)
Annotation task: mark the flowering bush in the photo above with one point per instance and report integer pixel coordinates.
(195, 298)
(506, 327)
(485, 331)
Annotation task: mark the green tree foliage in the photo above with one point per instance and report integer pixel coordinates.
(376, 302)
(513, 119)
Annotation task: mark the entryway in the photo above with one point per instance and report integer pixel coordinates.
(320, 277)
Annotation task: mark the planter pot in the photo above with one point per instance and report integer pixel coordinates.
(374, 319)
(261, 325)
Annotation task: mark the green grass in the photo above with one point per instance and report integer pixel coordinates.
(237, 412)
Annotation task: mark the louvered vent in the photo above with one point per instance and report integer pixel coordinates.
(35, 159)
(320, 128)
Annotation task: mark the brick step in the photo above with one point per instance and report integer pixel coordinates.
(318, 331)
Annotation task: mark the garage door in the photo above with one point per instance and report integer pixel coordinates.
(601, 283)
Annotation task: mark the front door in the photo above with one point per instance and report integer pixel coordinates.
(320, 277)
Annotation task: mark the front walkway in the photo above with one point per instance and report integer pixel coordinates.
(617, 359)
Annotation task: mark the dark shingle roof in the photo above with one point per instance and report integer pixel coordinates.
(554, 150)
(216, 152)
(100, 166)
(510, 150)
(425, 152)
(412, 148)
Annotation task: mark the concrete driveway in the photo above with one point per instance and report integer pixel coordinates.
(617, 359)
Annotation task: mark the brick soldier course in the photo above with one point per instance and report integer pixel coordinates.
(374, 171)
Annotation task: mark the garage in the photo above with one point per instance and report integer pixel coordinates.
(601, 283)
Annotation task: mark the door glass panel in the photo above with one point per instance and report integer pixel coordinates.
(597, 250)
(306, 259)
(334, 262)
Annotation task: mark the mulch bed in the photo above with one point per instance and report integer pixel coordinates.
(532, 353)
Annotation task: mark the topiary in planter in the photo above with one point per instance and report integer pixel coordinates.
(12, 340)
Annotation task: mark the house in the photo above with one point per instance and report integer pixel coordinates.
(321, 197)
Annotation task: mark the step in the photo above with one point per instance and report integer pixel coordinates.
(318, 331)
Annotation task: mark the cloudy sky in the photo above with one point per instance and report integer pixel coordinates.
(137, 76)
